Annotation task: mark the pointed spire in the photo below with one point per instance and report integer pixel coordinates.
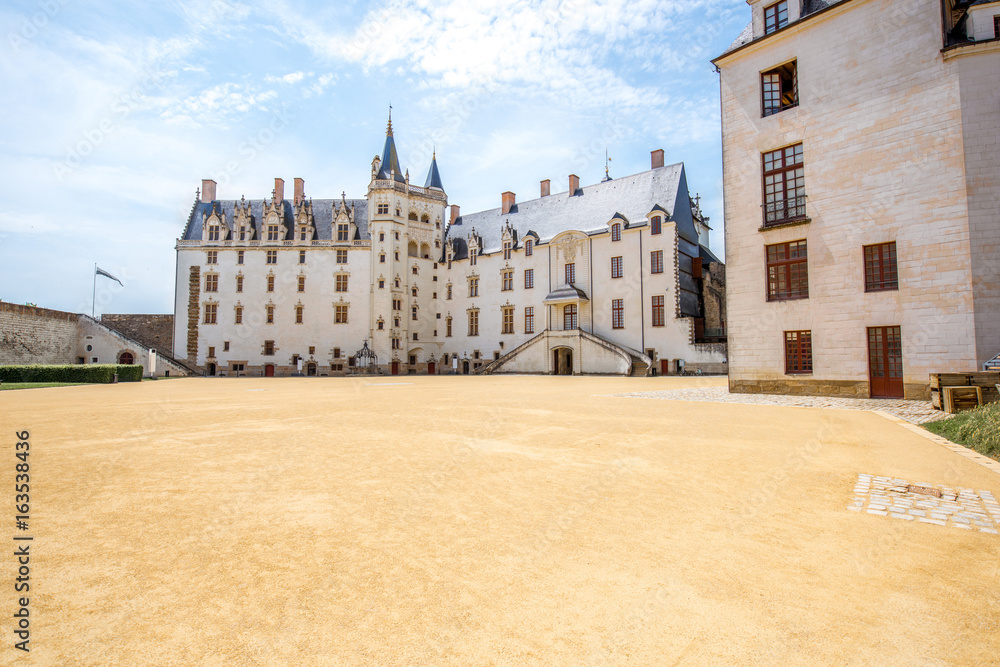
(388, 130)
(433, 176)
(389, 167)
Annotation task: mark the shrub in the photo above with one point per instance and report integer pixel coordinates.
(88, 373)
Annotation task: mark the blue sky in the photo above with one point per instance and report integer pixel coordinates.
(115, 111)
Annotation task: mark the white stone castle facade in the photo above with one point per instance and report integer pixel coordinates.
(613, 278)
(861, 170)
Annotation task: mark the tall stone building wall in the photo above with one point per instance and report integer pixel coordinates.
(153, 331)
(32, 335)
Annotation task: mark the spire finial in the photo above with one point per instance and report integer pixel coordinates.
(388, 131)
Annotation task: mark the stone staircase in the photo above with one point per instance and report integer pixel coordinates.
(993, 364)
(638, 364)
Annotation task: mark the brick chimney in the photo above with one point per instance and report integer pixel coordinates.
(656, 158)
(207, 190)
(508, 201)
(574, 184)
(454, 214)
(279, 189)
(300, 186)
(545, 187)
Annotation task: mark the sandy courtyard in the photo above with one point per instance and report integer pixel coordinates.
(479, 521)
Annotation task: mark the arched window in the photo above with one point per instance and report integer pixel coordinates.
(616, 232)
(655, 225)
(126, 358)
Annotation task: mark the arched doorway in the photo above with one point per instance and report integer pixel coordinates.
(311, 369)
(269, 371)
(210, 370)
(562, 361)
(126, 358)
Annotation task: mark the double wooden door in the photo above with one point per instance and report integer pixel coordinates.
(885, 362)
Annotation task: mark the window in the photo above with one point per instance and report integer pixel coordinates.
(272, 256)
(238, 368)
(779, 89)
(342, 231)
(656, 261)
(473, 286)
(383, 209)
(529, 278)
(570, 273)
(239, 256)
(506, 249)
(472, 256)
(616, 267)
(397, 234)
(211, 352)
(340, 314)
(798, 352)
(340, 283)
(212, 257)
(298, 314)
(414, 270)
(243, 233)
(396, 282)
(658, 310)
(434, 295)
(212, 283)
(312, 350)
(270, 314)
(616, 232)
(784, 185)
(655, 225)
(381, 258)
(341, 257)
(447, 327)
(213, 233)
(211, 311)
(272, 232)
(395, 343)
(787, 271)
(507, 313)
(416, 337)
(569, 317)
(302, 256)
(381, 325)
(996, 26)
(270, 283)
(239, 315)
(880, 267)
(396, 255)
(268, 348)
(473, 322)
(448, 293)
(397, 304)
(413, 291)
(618, 313)
(529, 319)
(302, 283)
(775, 16)
(529, 248)
(302, 233)
(507, 280)
(413, 313)
(381, 283)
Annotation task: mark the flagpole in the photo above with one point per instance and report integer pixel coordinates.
(93, 302)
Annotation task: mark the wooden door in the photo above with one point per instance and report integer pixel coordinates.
(395, 368)
(430, 368)
(885, 362)
(664, 367)
(269, 371)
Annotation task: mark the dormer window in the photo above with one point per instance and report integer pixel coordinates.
(775, 17)
(243, 233)
(342, 231)
(472, 255)
(616, 232)
(507, 245)
(529, 248)
(655, 225)
(272, 232)
(213, 233)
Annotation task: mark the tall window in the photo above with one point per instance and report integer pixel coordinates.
(342, 230)
(507, 313)
(211, 311)
(616, 232)
(779, 88)
(529, 319)
(618, 313)
(507, 245)
(413, 311)
(798, 352)
(212, 257)
(340, 283)
(529, 278)
(472, 256)
(569, 317)
(473, 322)
(570, 273)
(996, 26)
(449, 292)
(880, 267)
(787, 271)
(784, 185)
(341, 257)
(529, 247)
(655, 225)
(302, 256)
(268, 348)
(239, 315)
(270, 283)
(239, 256)
(473, 286)
(213, 233)
(212, 283)
(272, 256)
(658, 310)
(447, 328)
(656, 261)
(340, 314)
(272, 232)
(508, 280)
(616, 267)
(775, 16)
(302, 283)
(298, 314)
(270, 314)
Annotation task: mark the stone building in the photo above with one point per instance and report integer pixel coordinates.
(607, 278)
(862, 194)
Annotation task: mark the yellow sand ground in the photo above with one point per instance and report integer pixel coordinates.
(478, 521)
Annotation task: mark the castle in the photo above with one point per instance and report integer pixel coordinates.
(611, 278)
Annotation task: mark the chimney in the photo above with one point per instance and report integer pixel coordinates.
(454, 214)
(656, 158)
(300, 186)
(574, 184)
(279, 189)
(508, 201)
(207, 190)
(545, 187)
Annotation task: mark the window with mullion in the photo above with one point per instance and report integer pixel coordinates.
(798, 353)
(656, 261)
(617, 313)
(616, 267)
(880, 267)
(775, 17)
(570, 273)
(787, 271)
(784, 185)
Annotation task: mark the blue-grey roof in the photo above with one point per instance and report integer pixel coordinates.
(631, 197)
(323, 216)
(708, 255)
(433, 176)
(390, 162)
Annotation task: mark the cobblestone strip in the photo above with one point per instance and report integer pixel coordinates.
(964, 509)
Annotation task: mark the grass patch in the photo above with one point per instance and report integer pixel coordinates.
(37, 385)
(977, 429)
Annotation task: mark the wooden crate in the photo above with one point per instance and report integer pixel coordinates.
(957, 399)
(987, 381)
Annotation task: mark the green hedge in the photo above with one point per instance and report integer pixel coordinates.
(89, 373)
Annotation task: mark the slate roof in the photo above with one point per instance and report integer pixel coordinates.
(433, 176)
(390, 162)
(323, 216)
(589, 211)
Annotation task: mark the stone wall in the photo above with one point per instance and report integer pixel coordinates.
(153, 331)
(32, 335)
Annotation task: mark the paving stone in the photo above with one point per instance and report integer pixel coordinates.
(959, 519)
(936, 522)
(992, 531)
(936, 515)
(962, 526)
(855, 508)
(905, 517)
(879, 512)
